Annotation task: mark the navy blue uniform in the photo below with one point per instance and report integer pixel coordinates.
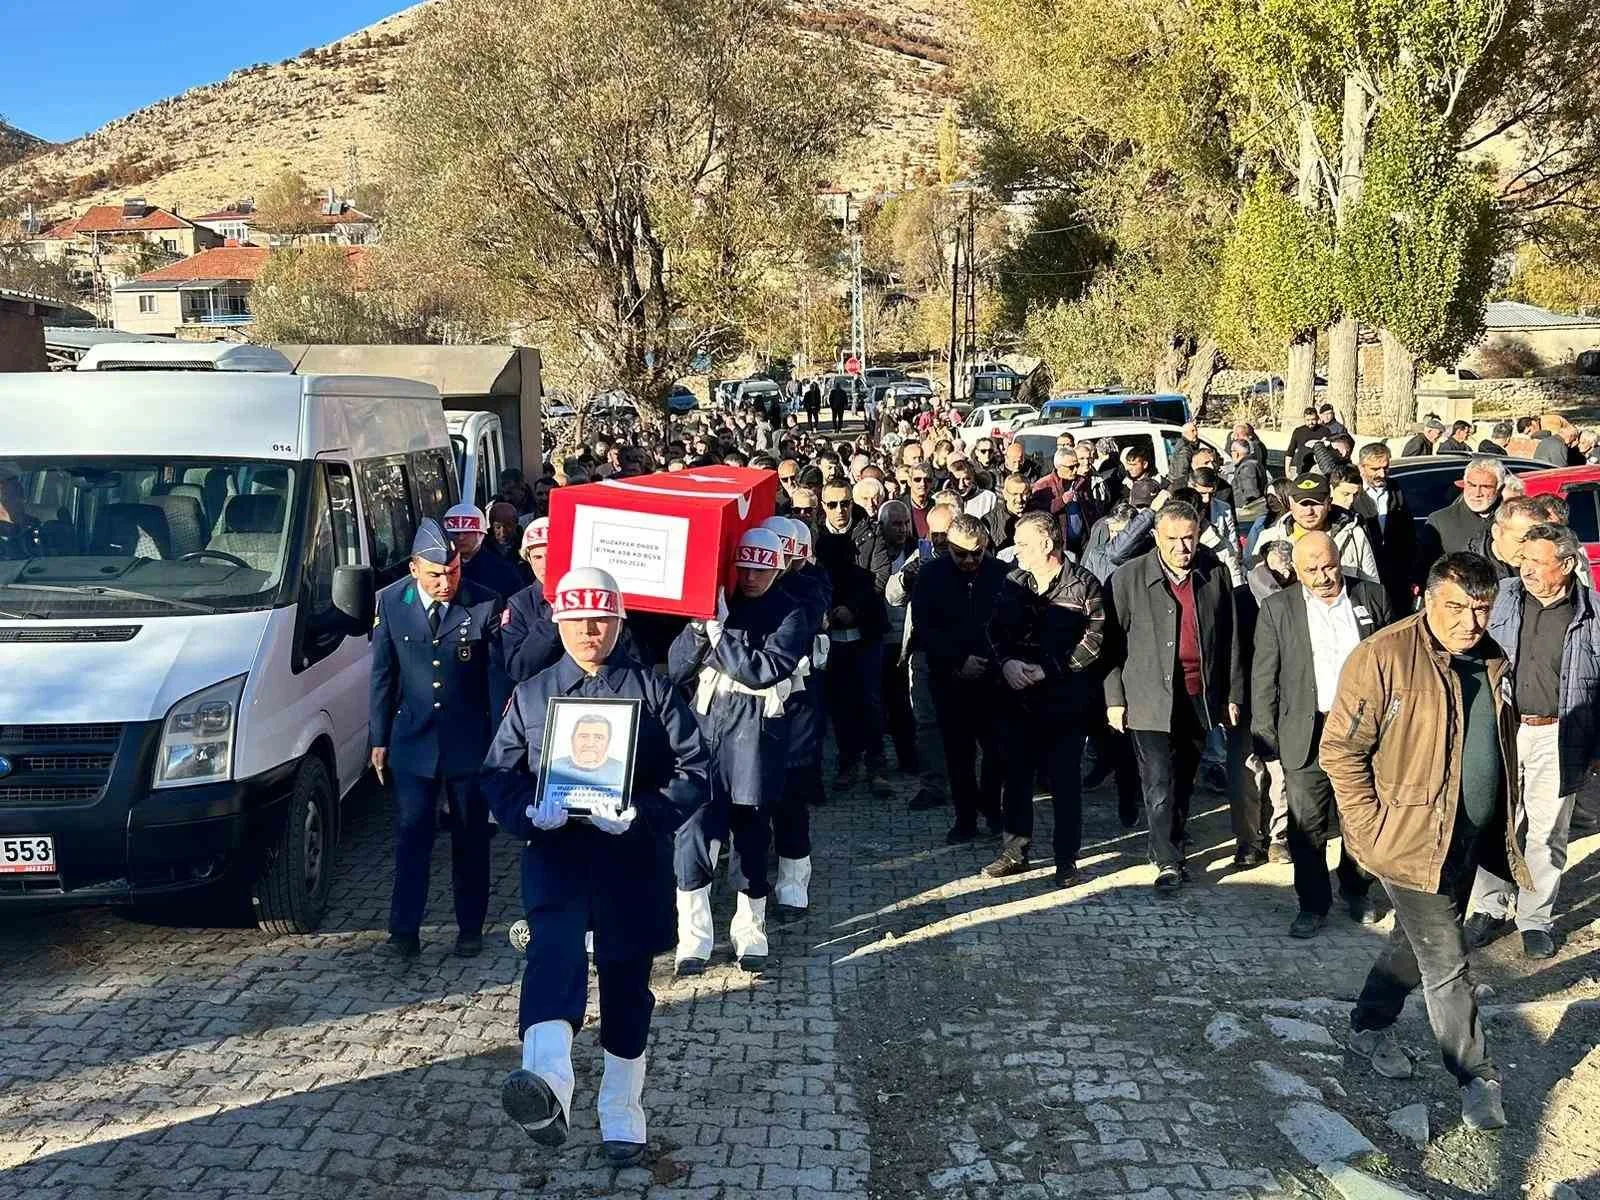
(433, 698)
(762, 642)
(489, 569)
(578, 878)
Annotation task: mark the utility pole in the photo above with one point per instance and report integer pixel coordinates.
(858, 330)
(969, 328)
(955, 294)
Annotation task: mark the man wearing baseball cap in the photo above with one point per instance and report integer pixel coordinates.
(1311, 510)
(602, 872)
(479, 562)
(741, 666)
(437, 680)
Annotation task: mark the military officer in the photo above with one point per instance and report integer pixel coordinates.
(605, 873)
(810, 588)
(437, 680)
(740, 667)
(481, 563)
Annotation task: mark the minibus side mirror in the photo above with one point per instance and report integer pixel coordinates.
(354, 596)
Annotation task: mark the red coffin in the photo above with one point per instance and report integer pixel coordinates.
(669, 539)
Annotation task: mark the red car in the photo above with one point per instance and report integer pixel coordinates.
(1580, 487)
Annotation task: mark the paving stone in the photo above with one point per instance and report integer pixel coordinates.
(1285, 1083)
(1320, 1135)
(1411, 1123)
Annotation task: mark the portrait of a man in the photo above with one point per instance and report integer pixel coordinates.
(589, 751)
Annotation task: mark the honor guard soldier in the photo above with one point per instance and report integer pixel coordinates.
(811, 590)
(436, 684)
(529, 639)
(739, 667)
(604, 872)
(481, 563)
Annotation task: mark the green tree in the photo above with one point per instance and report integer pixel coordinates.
(625, 176)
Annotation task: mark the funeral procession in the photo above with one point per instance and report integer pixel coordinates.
(718, 600)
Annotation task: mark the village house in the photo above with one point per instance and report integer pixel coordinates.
(206, 295)
(338, 223)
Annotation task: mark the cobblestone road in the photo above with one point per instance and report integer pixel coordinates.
(925, 1032)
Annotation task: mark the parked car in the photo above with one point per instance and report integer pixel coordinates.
(1580, 487)
(991, 385)
(994, 421)
(759, 392)
(682, 400)
(1158, 441)
(1169, 407)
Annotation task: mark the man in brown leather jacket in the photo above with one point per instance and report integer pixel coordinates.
(1420, 745)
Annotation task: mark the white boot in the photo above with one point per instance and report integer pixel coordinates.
(622, 1124)
(539, 1097)
(793, 889)
(749, 932)
(695, 932)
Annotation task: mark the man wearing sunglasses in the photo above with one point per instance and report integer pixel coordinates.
(951, 606)
(919, 496)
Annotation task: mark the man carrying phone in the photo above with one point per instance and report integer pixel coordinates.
(436, 682)
(604, 873)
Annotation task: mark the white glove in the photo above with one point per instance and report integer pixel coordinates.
(549, 814)
(713, 632)
(605, 816)
(722, 606)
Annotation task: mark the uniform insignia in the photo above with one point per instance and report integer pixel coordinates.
(464, 651)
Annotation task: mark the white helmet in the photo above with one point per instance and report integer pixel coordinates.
(536, 533)
(780, 526)
(586, 592)
(802, 538)
(465, 518)
(760, 550)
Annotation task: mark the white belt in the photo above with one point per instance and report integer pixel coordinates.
(819, 652)
(714, 683)
(845, 635)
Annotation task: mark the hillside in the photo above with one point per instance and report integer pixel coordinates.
(15, 144)
(222, 141)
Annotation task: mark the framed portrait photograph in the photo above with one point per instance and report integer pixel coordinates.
(588, 752)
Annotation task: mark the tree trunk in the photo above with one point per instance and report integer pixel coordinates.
(1399, 386)
(1202, 369)
(1170, 369)
(1300, 378)
(1343, 368)
(1343, 340)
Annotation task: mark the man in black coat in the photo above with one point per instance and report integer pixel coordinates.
(1048, 633)
(857, 621)
(1380, 506)
(951, 606)
(1309, 430)
(1303, 635)
(1455, 526)
(1179, 674)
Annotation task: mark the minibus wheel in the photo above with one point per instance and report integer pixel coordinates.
(291, 892)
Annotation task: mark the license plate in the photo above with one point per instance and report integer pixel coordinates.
(35, 854)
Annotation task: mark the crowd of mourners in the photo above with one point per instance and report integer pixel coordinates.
(1296, 641)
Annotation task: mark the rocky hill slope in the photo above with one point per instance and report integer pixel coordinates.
(15, 144)
(320, 114)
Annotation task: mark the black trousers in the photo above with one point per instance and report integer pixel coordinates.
(1113, 752)
(1168, 762)
(555, 985)
(1313, 820)
(965, 710)
(851, 683)
(897, 714)
(416, 802)
(1039, 747)
(1427, 949)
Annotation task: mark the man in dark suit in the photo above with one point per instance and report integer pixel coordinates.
(1303, 635)
(1390, 527)
(1177, 675)
(437, 682)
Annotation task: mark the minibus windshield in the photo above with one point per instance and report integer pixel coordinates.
(87, 536)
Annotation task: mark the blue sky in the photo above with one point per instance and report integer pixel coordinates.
(67, 70)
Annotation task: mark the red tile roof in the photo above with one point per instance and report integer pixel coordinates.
(227, 214)
(224, 262)
(108, 218)
(61, 229)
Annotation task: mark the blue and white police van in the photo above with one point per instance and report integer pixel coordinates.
(190, 542)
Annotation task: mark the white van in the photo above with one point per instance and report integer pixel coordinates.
(480, 454)
(188, 560)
